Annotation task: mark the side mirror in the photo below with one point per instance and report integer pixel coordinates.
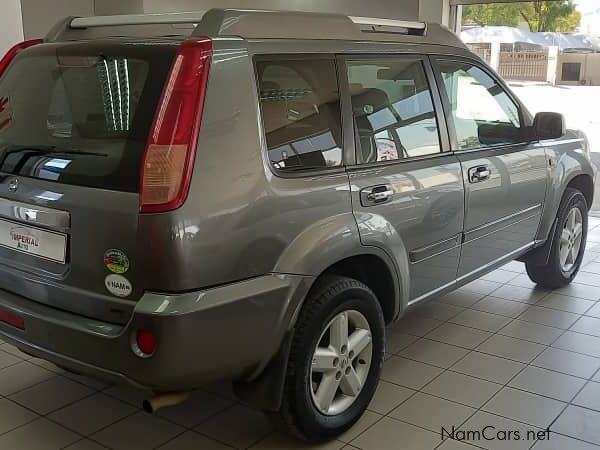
(548, 125)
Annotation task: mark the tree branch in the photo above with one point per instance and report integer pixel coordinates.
(526, 19)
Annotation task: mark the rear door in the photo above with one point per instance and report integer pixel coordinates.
(76, 120)
(504, 175)
(407, 190)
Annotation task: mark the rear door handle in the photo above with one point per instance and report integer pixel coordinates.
(376, 195)
(479, 173)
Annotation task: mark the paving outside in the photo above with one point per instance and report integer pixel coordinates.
(497, 352)
(579, 105)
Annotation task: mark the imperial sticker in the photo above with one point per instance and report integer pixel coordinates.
(116, 261)
(33, 241)
(24, 239)
(117, 285)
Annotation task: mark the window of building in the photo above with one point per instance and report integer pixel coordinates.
(571, 71)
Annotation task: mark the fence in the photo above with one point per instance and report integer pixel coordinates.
(484, 51)
(514, 63)
(530, 65)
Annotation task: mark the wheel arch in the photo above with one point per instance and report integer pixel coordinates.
(376, 273)
(266, 390)
(583, 183)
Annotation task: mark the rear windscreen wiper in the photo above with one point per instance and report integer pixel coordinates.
(30, 151)
(44, 150)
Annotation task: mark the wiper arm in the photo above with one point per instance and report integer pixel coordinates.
(28, 152)
(46, 150)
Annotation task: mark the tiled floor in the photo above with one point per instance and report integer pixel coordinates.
(496, 353)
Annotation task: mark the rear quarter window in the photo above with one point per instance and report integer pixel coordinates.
(300, 109)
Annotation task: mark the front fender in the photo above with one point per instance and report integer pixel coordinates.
(569, 161)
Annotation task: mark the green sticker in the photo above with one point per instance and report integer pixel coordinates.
(116, 261)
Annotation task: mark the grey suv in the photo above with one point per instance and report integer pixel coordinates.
(252, 196)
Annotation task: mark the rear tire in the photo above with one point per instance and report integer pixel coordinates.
(335, 360)
(567, 244)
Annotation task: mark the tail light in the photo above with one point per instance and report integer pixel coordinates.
(145, 342)
(14, 51)
(12, 319)
(170, 151)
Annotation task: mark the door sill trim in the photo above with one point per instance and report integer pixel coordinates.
(458, 282)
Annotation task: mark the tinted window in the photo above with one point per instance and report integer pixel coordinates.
(80, 114)
(301, 113)
(393, 109)
(483, 112)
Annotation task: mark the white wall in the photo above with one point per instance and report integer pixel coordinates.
(396, 9)
(11, 25)
(40, 15)
(437, 11)
(108, 7)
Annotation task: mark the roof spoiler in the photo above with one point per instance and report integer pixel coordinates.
(137, 19)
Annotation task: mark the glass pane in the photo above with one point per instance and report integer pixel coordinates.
(483, 112)
(76, 115)
(393, 109)
(301, 113)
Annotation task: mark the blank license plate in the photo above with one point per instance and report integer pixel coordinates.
(33, 241)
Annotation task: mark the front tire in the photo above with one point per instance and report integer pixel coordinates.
(335, 360)
(567, 244)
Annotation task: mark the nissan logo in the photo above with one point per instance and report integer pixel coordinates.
(13, 185)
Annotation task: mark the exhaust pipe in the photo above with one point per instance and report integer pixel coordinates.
(159, 401)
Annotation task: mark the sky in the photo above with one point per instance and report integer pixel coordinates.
(590, 12)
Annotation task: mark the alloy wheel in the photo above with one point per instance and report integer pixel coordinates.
(570, 240)
(341, 362)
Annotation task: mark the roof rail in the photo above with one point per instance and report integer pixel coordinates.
(377, 25)
(252, 24)
(137, 19)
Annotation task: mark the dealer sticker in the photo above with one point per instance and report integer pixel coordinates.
(116, 261)
(117, 285)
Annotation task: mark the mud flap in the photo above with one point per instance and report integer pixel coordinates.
(539, 256)
(266, 391)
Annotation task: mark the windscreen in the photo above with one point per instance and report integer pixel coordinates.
(80, 113)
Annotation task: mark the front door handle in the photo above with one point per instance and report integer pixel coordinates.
(479, 173)
(376, 195)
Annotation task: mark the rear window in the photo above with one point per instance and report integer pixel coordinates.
(80, 113)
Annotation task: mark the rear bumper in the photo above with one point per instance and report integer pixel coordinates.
(225, 333)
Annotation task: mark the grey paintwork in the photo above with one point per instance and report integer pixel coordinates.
(222, 278)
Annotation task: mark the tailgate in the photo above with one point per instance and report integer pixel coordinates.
(76, 117)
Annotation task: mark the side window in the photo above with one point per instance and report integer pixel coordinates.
(301, 115)
(483, 112)
(393, 109)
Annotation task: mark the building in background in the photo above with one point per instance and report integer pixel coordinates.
(590, 17)
(558, 58)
